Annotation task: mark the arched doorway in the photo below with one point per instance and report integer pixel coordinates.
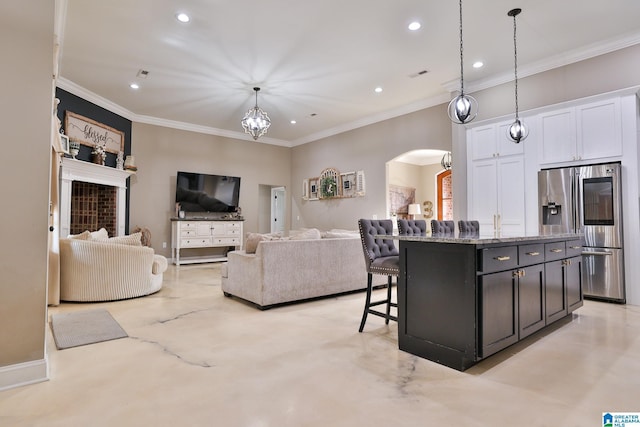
(444, 190)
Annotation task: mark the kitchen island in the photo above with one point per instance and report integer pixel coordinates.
(462, 299)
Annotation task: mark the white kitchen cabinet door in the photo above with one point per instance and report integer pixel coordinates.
(482, 141)
(599, 130)
(558, 136)
(483, 200)
(511, 196)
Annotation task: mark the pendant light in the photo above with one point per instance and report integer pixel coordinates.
(256, 122)
(446, 161)
(518, 131)
(463, 108)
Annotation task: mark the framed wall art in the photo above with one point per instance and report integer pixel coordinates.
(91, 133)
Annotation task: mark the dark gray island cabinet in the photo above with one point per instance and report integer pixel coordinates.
(461, 300)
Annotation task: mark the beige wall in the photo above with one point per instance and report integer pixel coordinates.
(368, 149)
(26, 44)
(160, 152)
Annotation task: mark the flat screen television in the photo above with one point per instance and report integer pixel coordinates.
(199, 192)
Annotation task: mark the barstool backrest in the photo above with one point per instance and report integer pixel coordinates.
(469, 227)
(412, 227)
(443, 228)
(373, 247)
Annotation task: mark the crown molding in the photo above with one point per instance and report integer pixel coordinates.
(557, 61)
(80, 91)
(386, 115)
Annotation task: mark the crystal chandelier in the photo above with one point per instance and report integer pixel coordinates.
(256, 121)
(517, 131)
(463, 108)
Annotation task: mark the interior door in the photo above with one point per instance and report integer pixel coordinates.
(278, 206)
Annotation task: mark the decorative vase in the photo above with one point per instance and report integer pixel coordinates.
(98, 159)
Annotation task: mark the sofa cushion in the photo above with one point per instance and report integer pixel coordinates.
(85, 235)
(134, 239)
(101, 234)
(251, 244)
(308, 234)
(340, 234)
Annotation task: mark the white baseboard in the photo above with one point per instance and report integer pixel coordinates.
(23, 374)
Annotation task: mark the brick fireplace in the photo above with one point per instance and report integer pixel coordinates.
(91, 197)
(93, 206)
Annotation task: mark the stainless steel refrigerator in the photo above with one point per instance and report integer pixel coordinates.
(588, 200)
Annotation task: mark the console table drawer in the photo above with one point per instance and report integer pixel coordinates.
(498, 259)
(226, 241)
(554, 251)
(531, 254)
(196, 242)
(188, 233)
(186, 225)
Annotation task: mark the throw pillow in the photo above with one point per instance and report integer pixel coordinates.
(309, 234)
(101, 234)
(85, 235)
(251, 244)
(134, 239)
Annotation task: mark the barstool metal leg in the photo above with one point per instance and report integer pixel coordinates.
(368, 301)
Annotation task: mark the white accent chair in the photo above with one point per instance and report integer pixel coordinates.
(94, 270)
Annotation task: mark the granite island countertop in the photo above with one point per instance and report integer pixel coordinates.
(486, 240)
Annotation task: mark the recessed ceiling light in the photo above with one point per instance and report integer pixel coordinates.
(478, 64)
(378, 89)
(293, 122)
(415, 25)
(134, 86)
(183, 17)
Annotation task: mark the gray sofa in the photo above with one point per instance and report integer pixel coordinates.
(283, 271)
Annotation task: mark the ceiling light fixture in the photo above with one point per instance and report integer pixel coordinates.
(134, 86)
(256, 121)
(378, 89)
(517, 131)
(183, 17)
(478, 64)
(446, 161)
(463, 108)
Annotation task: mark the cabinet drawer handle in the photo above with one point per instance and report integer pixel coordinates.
(533, 253)
(555, 251)
(503, 258)
(575, 247)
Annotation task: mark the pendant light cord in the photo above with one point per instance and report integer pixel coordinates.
(515, 61)
(461, 55)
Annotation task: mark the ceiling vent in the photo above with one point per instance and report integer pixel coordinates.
(142, 74)
(419, 73)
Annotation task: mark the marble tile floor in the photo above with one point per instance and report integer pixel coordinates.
(196, 358)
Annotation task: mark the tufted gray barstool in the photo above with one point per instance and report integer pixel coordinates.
(412, 227)
(443, 228)
(381, 257)
(469, 228)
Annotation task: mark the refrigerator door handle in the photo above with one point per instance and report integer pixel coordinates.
(596, 253)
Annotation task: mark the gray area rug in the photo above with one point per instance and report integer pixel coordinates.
(84, 327)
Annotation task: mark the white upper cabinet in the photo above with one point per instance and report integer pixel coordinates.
(490, 141)
(587, 132)
(600, 129)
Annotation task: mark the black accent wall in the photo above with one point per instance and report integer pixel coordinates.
(75, 104)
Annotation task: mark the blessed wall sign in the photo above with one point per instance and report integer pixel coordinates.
(91, 133)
